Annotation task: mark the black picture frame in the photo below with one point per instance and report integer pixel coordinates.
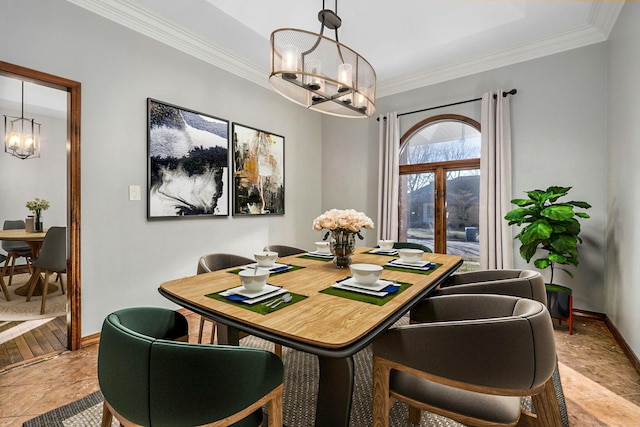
(259, 167)
(188, 162)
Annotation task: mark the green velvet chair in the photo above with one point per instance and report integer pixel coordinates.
(411, 245)
(150, 378)
(471, 361)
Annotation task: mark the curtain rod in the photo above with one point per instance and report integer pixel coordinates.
(504, 94)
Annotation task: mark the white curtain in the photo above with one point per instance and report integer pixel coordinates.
(388, 177)
(496, 241)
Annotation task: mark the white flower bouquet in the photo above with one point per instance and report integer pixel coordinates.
(346, 221)
(37, 205)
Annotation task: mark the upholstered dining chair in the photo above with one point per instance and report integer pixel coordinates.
(514, 282)
(51, 259)
(15, 249)
(411, 245)
(220, 261)
(149, 377)
(213, 262)
(471, 362)
(284, 250)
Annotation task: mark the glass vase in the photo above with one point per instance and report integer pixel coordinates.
(37, 222)
(343, 244)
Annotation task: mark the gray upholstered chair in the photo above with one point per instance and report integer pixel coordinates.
(220, 261)
(284, 250)
(150, 378)
(15, 249)
(51, 259)
(471, 362)
(411, 245)
(214, 262)
(517, 283)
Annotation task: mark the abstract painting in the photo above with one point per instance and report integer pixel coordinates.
(188, 162)
(258, 172)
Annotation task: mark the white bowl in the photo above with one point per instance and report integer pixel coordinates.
(266, 259)
(386, 244)
(322, 247)
(410, 255)
(366, 274)
(254, 280)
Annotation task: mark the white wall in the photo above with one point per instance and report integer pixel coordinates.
(44, 177)
(124, 256)
(558, 133)
(623, 234)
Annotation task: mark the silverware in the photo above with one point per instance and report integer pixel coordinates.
(274, 303)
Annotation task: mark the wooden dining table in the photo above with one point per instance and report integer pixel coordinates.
(34, 240)
(320, 321)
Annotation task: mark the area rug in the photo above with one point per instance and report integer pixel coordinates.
(18, 309)
(301, 382)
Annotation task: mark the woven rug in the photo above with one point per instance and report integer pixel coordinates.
(18, 309)
(301, 382)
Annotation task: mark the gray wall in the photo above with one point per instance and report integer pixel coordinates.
(623, 235)
(558, 133)
(124, 256)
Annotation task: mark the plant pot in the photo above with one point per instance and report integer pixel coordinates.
(560, 303)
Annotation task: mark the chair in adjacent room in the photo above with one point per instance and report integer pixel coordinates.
(149, 377)
(15, 249)
(471, 361)
(284, 250)
(51, 259)
(220, 261)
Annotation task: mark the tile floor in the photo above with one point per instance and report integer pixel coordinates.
(601, 387)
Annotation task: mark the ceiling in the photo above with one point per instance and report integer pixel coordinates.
(410, 43)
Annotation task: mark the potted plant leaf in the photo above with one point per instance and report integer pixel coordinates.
(551, 226)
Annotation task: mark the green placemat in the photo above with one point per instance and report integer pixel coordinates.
(293, 268)
(411, 270)
(315, 258)
(370, 299)
(258, 307)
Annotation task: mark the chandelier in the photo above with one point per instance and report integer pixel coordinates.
(21, 135)
(320, 73)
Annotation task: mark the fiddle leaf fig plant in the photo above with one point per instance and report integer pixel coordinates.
(548, 225)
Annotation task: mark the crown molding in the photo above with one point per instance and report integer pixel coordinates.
(152, 25)
(600, 23)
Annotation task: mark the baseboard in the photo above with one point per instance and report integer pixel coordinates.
(90, 340)
(622, 343)
(589, 314)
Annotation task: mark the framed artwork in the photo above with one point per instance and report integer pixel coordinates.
(258, 172)
(188, 165)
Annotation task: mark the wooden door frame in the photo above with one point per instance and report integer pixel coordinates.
(74, 314)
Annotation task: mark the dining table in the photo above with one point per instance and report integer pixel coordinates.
(319, 316)
(34, 240)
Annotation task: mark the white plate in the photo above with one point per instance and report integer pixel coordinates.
(377, 286)
(240, 290)
(360, 290)
(275, 266)
(320, 254)
(384, 251)
(422, 265)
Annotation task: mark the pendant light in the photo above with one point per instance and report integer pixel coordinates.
(321, 73)
(21, 135)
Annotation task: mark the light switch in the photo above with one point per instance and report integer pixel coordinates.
(134, 192)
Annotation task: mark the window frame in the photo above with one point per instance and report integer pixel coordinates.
(439, 169)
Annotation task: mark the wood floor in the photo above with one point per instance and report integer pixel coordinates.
(20, 341)
(601, 386)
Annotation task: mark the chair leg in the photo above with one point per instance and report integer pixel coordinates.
(415, 415)
(13, 266)
(61, 283)
(45, 289)
(5, 290)
(546, 406)
(381, 402)
(107, 416)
